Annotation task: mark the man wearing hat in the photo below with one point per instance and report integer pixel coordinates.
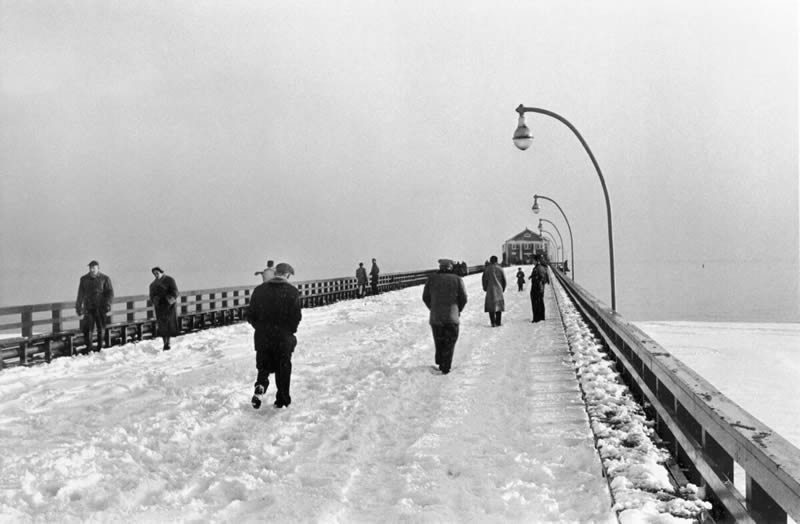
(274, 312)
(95, 295)
(163, 296)
(445, 296)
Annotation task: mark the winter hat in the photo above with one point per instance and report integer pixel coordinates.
(284, 269)
(445, 262)
(156, 269)
(94, 263)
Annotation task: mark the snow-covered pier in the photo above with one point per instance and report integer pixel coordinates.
(374, 433)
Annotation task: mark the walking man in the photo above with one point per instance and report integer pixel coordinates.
(494, 283)
(539, 278)
(374, 272)
(95, 295)
(274, 312)
(520, 279)
(163, 296)
(361, 280)
(445, 296)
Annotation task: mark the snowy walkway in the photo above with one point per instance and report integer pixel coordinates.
(373, 433)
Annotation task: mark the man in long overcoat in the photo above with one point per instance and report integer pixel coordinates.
(274, 312)
(539, 278)
(374, 272)
(361, 280)
(445, 296)
(95, 294)
(164, 296)
(494, 283)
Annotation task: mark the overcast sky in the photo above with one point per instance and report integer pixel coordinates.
(208, 136)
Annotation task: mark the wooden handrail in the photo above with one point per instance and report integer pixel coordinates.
(707, 432)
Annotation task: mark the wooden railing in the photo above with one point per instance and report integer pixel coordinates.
(707, 433)
(40, 332)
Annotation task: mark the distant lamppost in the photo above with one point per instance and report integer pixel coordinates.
(555, 242)
(523, 140)
(554, 227)
(535, 209)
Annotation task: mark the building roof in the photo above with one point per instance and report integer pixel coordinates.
(525, 236)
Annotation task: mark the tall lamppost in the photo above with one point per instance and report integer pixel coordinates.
(523, 140)
(555, 242)
(535, 209)
(554, 227)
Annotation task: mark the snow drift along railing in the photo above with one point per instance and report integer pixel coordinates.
(43, 331)
(707, 432)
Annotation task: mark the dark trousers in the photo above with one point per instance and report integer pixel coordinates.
(374, 285)
(537, 304)
(93, 318)
(444, 338)
(274, 355)
(495, 317)
(520, 286)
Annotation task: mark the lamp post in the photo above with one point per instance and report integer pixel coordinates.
(555, 243)
(523, 140)
(554, 227)
(535, 209)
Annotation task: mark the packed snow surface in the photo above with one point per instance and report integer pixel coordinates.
(373, 434)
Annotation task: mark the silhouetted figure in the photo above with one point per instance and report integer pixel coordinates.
(95, 294)
(361, 280)
(445, 296)
(520, 279)
(494, 283)
(274, 312)
(374, 273)
(539, 278)
(164, 296)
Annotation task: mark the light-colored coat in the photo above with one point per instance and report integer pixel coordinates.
(494, 283)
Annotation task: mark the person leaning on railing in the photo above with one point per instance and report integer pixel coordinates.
(95, 294)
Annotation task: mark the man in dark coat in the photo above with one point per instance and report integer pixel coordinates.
(274, 312)
(95, 294)
(374, 272)
(445, 296)
(520, 279)
(361, 280)
(539, 278)
(163, 296)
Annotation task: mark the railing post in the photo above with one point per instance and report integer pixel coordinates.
(761, 506)
(27, 322)
(56, 319)
(23, 352)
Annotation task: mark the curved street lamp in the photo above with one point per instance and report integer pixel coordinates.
(555, 242)
(523, 140)
(535, 209)
(554, 227)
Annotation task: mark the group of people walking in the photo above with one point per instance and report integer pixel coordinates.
(445, 296)
(275, 313)
(96, 294)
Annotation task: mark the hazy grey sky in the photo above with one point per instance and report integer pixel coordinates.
(208, 136)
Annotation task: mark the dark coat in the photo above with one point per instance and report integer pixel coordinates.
(520, 277)
(94, 293)
(275, 307)
(445, 295)
(361, 276)
(373, 273)
(539, 278)
(494, 283)
(164, 296)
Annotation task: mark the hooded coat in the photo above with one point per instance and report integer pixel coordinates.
(494, 283)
